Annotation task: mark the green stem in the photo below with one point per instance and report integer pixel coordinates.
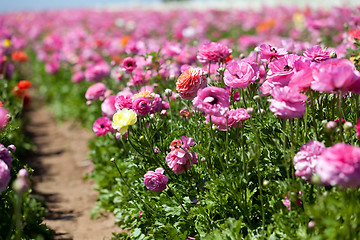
(313, 115)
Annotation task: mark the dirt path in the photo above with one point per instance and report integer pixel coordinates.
(60, 165)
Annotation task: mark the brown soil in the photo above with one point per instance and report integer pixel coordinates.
(60, 164)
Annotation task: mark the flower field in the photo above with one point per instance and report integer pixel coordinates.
(212, 124)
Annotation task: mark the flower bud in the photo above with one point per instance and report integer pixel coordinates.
(168, 92)
(333, 55)
(266, 182)
(256, 97)
(250, 110)
(316, 179)
(331, 125)
(311, 224)
(347, 126)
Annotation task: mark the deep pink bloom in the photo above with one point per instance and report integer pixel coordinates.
(122, 102)
(4, 176)
(141, 106)
(301, 81)
(5, 155)
(156, 104)
(128, 64)
(78, 77)
(108, 106)
(102, 126)
(357, 129)
(212, 100)
(339, 165)
(286, 202)
(336, 75)
(95, 92)
(305, 160)
(212, 52)
(240, 73)
(287, 102)
(189, 82)
(317, 54)
(4, 117)
(268, 52)
(156, 181)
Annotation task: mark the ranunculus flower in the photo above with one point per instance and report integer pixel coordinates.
(128, 64)
(78, 77)
(235, 118)
(4, 117)
(190, 82)
(95, 92)
(339, 165)
(122, 102)
(287, 102)
(4, 176)
(317, 54)
(102, 126)
(156, 181)
(141, 106)
(108, 106)
(178, 161)
(97, 72)
(305, 161)
(122, 119)
(240, 73)
(213, 52)
(5, 155)
(212, 100)
(357, 129)
(336, 75)
(268, 52)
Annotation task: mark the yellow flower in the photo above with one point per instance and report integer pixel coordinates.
(6, 43)
(123, 119)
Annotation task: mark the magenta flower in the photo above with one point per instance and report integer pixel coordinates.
(178, 161)
(122, 102)
(141, 106)
(234, 119)
(339, 165)
(212, 100)
(97, 72)
(156, 181)
(108, 106)
(240, 73)
(52, 67)
(336, 75)
(268, 52)
(78, 77)
(95, 92)
(357, 129)
(301, 81)
(317, 54)
(212, 52)
(5, 155)
(4, 176)
(4, 117)
(305, 161)
(102, 126)
(287, 103)
(128, 64)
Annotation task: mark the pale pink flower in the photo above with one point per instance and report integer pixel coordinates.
(108, 106)
(317, 54)
(268, 52)
(95, 92)
(212, 100)
(178, 161)
(4, 176)
(234, 119)
(339, 165)
(97, 72)
(240, 73)
(122, 102)
(305, 160)
(4, 117)
(102, 126)
(287, 102)
(156, 181)
(213, 52)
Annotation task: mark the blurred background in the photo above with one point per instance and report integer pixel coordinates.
(24, 5)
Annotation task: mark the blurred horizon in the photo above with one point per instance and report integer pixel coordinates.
(40, 5)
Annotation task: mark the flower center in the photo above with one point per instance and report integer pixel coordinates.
(210, 100)
(287, 68)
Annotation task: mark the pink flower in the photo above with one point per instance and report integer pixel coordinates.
(4, 117)
(190, 82)
(305, 160)
(128, 64)
(357, 129)
(268, 52)
(97, 72)
(78, 77)
(102, 126)
(95, 92)
(316, 54)
(52, 67)
(178, 161)
(235, 118)
(240, 73)
(156, 181)
(108, 106)
(287, 103)
(5, 155)
(336, 75)
(212, 52)
(212, 100)
(122, 102)
(301, 81)
(141, 106)
(4, 176)
(340, 165)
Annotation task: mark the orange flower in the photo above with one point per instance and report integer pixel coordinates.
(146, 94)
(1, 104)
(24, 84)
(19, 56)
(190, 82)
(265, 26)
